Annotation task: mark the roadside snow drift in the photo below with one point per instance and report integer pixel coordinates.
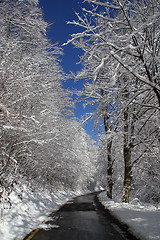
(143, 220)
(29, 209)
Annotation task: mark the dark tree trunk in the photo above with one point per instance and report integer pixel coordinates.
(110, 171)
(127, 174)
(109, 147)
(127, 151)
(109, 159)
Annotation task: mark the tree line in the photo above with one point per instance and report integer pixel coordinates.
(39, 144)
(120, 40)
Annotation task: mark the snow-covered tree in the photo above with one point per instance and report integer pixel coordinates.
(30, 89)
(120, 41)
(39, 144)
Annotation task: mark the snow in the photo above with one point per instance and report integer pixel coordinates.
(29, 210)
(101, 65)
(3, 110)
(143, 219)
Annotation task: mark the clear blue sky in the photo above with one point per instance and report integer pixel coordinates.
(59, 12)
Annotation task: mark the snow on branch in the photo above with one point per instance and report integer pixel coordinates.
(77, 36)
(106, 4)
(10, 157)
(141, 78)
(9, 127)
(87, 117)
(3, 110)
(100, 66)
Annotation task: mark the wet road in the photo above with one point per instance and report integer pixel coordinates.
(80, 220)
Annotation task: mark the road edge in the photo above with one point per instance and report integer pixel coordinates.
(122, 225)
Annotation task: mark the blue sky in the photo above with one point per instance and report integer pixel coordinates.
(59, 12)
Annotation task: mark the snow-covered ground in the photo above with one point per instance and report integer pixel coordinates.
(143, 220)
(29, 209)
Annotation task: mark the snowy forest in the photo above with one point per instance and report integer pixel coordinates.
(42, 144)
(121, 42)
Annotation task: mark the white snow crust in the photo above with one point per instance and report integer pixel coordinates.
(143, 219)
(30, 208)
(28, 211)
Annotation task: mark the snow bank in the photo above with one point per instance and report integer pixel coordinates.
(29, 209)
(143, 220)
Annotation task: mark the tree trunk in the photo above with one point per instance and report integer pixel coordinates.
(127, 151)
(109, 147)
(158, 96)
(109, 160)
(110, 171)
(127, 174)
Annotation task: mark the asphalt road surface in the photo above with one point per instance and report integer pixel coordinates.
(80, 220)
